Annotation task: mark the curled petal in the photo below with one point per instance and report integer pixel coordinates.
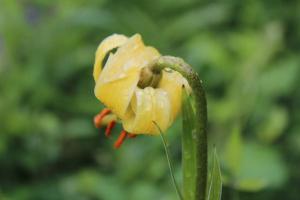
(148, 105)
(172, 83)
(105, 46)
(118, 79)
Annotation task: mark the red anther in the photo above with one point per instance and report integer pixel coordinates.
(98, 118)
(130, 135)
(120, 139)
(109, 127)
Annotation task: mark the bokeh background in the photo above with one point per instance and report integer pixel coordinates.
(246, 52)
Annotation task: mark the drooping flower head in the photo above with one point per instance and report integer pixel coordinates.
(118, 87)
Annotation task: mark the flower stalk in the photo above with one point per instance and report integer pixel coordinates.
(194, 144)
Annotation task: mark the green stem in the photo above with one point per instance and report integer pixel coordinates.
(199, 137)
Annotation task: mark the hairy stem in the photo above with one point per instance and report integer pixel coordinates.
(199, 137)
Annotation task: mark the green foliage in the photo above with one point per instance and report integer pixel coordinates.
(246, 53)
(215, 184)
(189, 163)
(268, 170)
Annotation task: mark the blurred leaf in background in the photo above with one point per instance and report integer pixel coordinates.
(246, 52)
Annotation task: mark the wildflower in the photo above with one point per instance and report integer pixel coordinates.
(132, 95)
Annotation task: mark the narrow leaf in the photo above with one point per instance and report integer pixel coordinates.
(215, 184)
(169, 161)
(188, 147)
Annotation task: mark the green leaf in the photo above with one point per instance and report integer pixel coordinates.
(268, 170)
(188, 147)
(251, 184)
(260, 167)
(215, 184)
(209, 15)
(274, 125)
(169, 161)
(233, 150)
(285, 73)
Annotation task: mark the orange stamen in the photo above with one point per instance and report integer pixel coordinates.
(120, 139)
(130, 135)
(99, 117)
(109, 127)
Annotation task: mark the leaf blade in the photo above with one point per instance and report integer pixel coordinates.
(215, 184)
(188, 147)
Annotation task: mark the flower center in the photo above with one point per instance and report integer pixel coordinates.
(148, 78)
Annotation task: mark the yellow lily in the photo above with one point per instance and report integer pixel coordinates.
(117, 88)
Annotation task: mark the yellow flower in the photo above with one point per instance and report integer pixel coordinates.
(117, 86)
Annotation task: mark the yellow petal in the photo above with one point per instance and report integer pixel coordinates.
(118, 79)
(105, 46)
(172, 83)
(148, 105)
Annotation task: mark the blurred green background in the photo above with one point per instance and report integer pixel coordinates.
(246, 52)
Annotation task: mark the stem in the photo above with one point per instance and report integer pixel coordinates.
(199, 140)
